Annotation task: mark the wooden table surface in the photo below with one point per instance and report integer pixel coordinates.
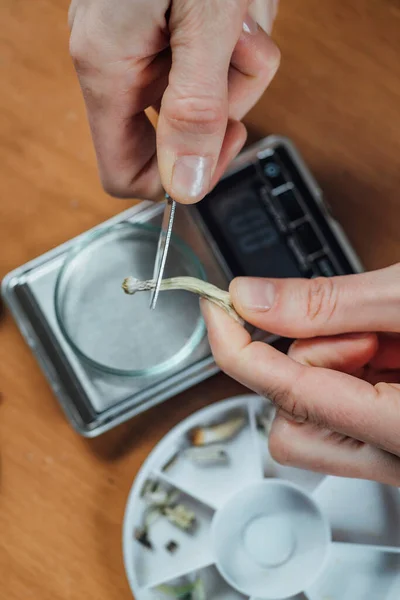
(337, 96)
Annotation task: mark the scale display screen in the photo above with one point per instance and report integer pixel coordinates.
(266, 223)
(249, 235)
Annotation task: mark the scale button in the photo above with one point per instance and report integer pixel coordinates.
(273, 209)
(310, 242)
(290, 206)
(325, 267)
(298, 251)
(273, 171)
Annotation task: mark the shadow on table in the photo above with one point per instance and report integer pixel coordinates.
(142, 432)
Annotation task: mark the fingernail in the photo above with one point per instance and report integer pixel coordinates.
(254, 294)
(191, 177)
(250, 25)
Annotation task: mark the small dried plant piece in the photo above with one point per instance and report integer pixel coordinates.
(198, 592)
(180, 592)
(152, 513)
(157, 495)
(142, 536)
(171, 462)
(186, 591)
(181, 517)
(206, 290)
(149, 488)
(201, 436)
(172, 546)
(162, 501)
(158, 499)
(207, 455)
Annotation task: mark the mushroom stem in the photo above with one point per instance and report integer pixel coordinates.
(206, 290)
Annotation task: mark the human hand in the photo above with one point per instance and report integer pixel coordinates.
(337, 392)
(201, 65)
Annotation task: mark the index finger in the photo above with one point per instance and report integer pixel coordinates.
(327, 398)
(123, 135)
(122, 71)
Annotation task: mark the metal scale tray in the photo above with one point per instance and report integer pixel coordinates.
(95, 402)
(92, 401)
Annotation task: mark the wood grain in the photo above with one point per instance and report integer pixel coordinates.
(337, 96)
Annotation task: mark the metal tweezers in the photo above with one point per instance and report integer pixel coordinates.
(162, 248)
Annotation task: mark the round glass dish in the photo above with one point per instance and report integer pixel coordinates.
(116, 333)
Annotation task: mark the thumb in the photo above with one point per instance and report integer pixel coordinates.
(305, 308)
(194, 110)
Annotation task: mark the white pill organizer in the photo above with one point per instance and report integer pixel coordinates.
(263, 531)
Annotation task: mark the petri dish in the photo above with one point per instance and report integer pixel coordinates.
(116, 333)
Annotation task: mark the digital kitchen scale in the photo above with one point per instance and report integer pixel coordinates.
(266, 217)
(254, 528)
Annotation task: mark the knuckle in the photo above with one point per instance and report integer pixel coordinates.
(117, 184)
(279, 397)
(194, 17)
(225, 358)
(202, 112)
(116, 188)
(128, 188)
(286, 397)
(271, 61)
(132, 181)
(84, 47)
(221, 358)
(280, 446)
(321, 300)
(79, 50)
(282, 397)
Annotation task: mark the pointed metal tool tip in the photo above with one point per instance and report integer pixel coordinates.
(162, 248)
